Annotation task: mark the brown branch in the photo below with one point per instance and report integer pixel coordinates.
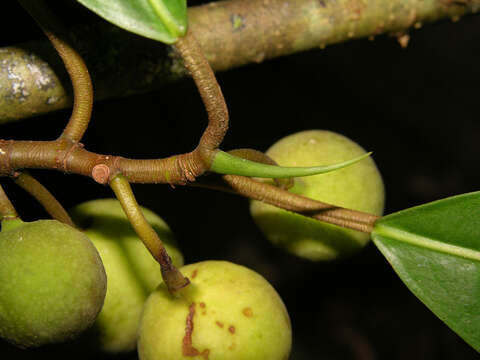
(73, 158)
(231, 33)
(43, 196)
(76, 68)
(302, 205)
(69, 157)
(211, 94)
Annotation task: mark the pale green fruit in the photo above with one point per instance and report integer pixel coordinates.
(358, 187)
(131, 270)
(227, 312)
(52, 283)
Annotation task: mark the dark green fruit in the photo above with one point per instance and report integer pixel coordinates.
(131, 270)
(52, 282)
(359, 187)
(228, 312)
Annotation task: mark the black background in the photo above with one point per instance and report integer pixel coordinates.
(416, 108)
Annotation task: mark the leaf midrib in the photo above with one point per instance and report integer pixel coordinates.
(425, 242)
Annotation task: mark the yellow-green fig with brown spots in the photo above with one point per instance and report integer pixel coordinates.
(228, 312)
(358, 187)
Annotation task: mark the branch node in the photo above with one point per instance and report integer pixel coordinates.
(63, 161)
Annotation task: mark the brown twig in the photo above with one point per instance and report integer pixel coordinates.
(76, 68)
(59, 155)
(302, 205)
(210, 92)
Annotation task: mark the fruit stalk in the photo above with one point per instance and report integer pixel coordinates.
(7, 211)
(43, 196)
(172, 277)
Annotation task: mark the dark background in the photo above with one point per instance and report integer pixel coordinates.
(416, 108)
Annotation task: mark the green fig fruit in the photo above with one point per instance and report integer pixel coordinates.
(131, 270)
(358, 186)
(227, 312)
(52, 282)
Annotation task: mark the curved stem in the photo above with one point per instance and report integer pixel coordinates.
(172, 277)
(7, 211)
(43, 196)
(210, 92)
(76, 68)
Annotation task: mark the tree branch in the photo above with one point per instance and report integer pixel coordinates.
(231, 33)
(74, 64)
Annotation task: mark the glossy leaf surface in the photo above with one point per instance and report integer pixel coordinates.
(435, 249)
(163, 20)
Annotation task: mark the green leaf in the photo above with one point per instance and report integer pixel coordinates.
(163, 20)
(224, 163)
(435, 249)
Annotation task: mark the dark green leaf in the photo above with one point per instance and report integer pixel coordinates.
(435, 249)
(163, 20)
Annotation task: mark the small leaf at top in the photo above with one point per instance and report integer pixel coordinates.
(163, 20)
(224, 163)
(435, 249)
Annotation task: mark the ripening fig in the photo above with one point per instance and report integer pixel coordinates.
(131, 270)
(358, 186)
(52, 282)
(228, 312)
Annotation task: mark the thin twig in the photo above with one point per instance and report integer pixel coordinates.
(302, 205)
(76, 68)
(43, 196)
(210, 92)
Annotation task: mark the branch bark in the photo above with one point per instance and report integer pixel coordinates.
(231, 33)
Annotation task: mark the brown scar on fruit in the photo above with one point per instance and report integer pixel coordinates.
(247, 312)
(202, 305)
(220, 324)
(194, 274)
(231, 329)
(187, 347)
